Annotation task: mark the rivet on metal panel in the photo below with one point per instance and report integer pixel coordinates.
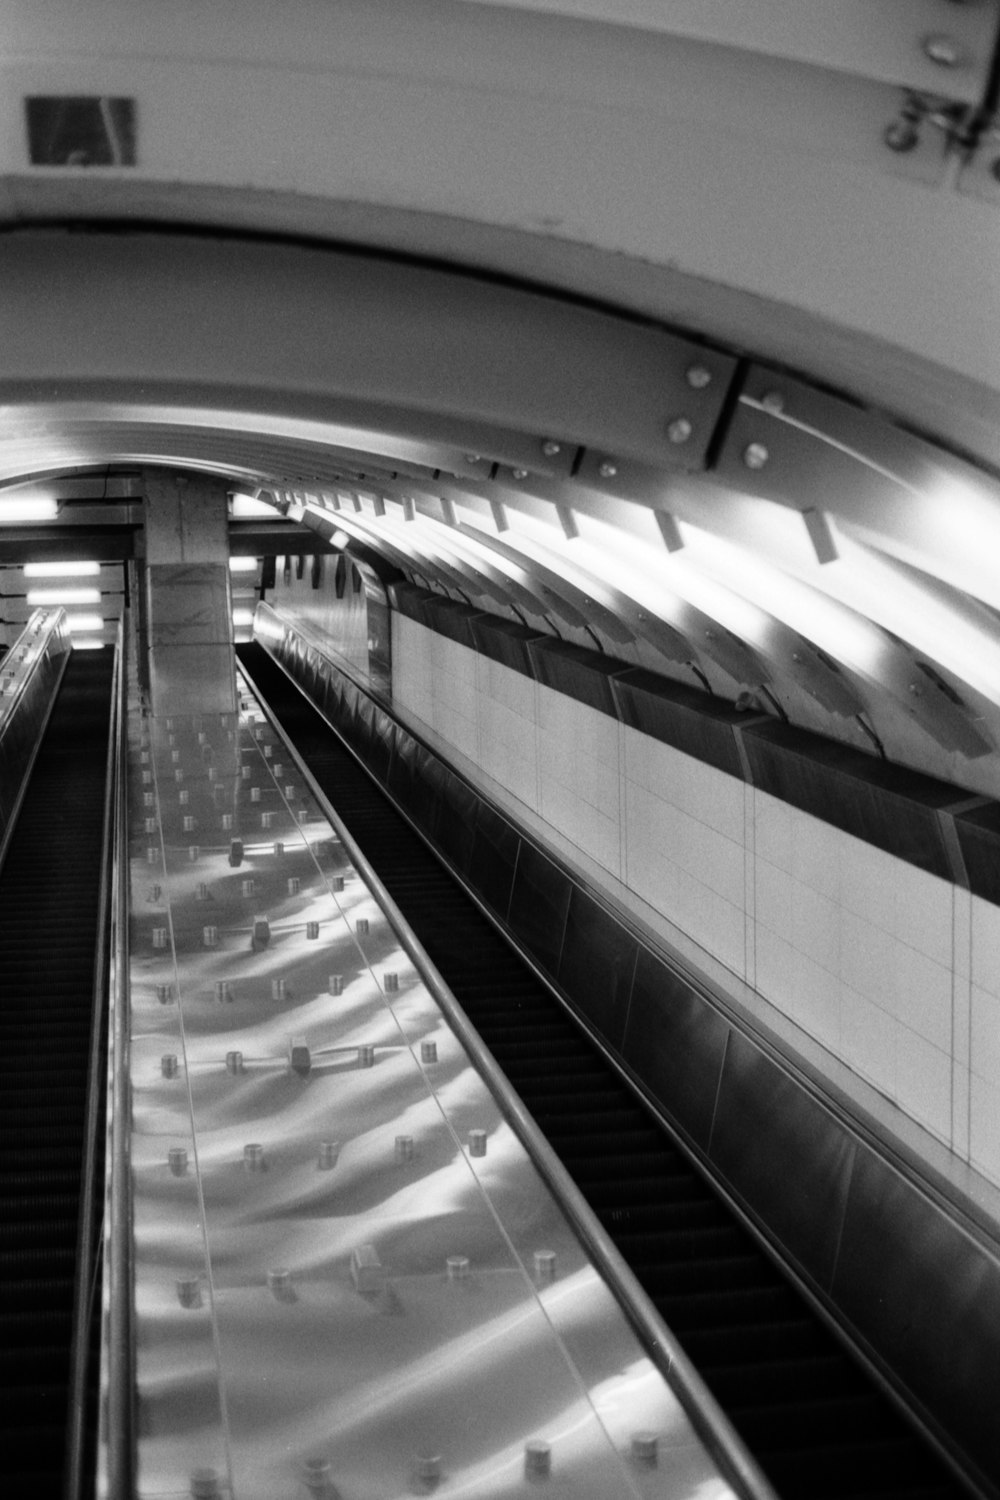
(361, 926)
(179, 775)
(477, 1142)
(366, 1056)
(329, 1155)
(253, 1157)
(299, 1057)
(755, 456)
(312, 930)
(152, 854)
(336, 984)
(318, 1479)
(607, 470)
(279, 1281)
(267, 820)
(337, 883)
(773, 401)
(457, 1267)
(294, 885)
(189, 1295)
(234, 1062)
(245, 772)
(698, 377)
(194, 851)
(189, 823)
(149, 824)
(679, 430)
(545, 1266)
(201, 894)
(519, 473)
(210, 937)
(268, 751)
(550, 448)
(235, 852)
(404, 1148)
(943, 50)
(428, 1052)
(223, 991)
(177, 1160)
(159, 937)
(248, 886)
(645, 1448)
(183, 798)
(148, 799)
(289, 793)
(537, 1459)
(255, 794)
(279, 849)
(391, 983)
(366, 1269)
(175, 756)
(426, 1474)
(279, 990)
(164, 993)
(168, 1065)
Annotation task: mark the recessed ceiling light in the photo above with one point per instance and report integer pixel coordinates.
(62, 569)
(43, 598)
(84, 622)
(28, 510)
(242, 565)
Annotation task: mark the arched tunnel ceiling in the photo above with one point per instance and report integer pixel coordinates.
(611, 266)
(602, 478)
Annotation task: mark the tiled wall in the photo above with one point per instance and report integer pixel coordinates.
(895, 971)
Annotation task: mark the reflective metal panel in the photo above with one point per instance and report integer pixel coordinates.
(350, 1279)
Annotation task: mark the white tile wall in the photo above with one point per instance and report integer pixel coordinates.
(892, 970)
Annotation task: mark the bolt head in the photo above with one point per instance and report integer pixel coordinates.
(772, 401)
(943, 50)
(472, 458)
(901, 136)
(550, 449)
(519, 473)
(607, 471)
(679, 430)
(755, 456)
(698, 377)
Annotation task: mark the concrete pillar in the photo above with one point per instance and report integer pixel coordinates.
(189, 615)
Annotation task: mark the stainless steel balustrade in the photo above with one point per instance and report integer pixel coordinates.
(30, 674)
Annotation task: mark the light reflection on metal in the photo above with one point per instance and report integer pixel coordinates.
(339, 1240)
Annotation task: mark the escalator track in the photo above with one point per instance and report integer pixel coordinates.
(808, 1411)
(49, 895)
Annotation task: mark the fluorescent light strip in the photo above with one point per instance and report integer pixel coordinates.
(242, 565)
(84, 622)
(27, 510)
(242, 616)
(88, 645)
(42, 598)
(62, 569)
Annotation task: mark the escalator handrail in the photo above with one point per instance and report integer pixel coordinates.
(116, 1438)
(87, 1254)
(721, 1440)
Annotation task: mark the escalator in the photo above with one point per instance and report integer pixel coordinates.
(807, 1411)
(49, 896)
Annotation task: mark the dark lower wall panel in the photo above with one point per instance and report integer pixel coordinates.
(916, 1280)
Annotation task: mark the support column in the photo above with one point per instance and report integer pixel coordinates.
(188, 596)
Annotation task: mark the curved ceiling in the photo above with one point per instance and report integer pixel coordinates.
(616, 453)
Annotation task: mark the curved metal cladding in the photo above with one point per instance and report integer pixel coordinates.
(739, 1105)
(350, 1279)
